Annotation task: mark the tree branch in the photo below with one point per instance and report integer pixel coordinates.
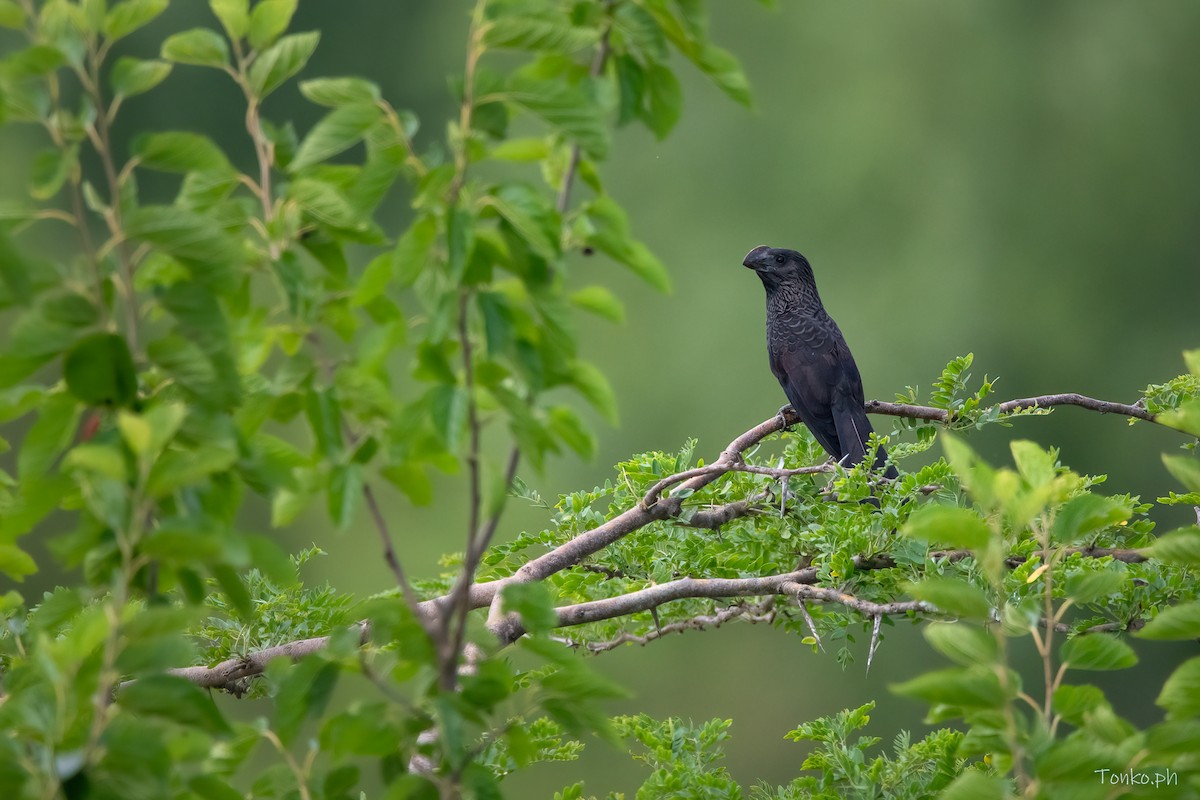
(1041, 401)
(653, 507)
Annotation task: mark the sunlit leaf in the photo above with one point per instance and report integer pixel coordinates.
(269, 19)
(127, 16)
(199, 46)
(134, 76)
(337, 92)
(1180, 695)
(1087, 514)
(234, 16)
(281, 61)
(1097, 651)
(1174, 623)
(179, 151)
(338, 130)
(948, 525)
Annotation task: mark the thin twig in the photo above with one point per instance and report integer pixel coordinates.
(753, 613)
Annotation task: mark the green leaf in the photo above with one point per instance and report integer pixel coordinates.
(1087, 514)
(594, 386)
(973, 784)
(281, 61)
(211, 787)
(1097, 651)
(15, 562)
(1180, 695)
(948, 525)
(953, 596)
(338, 130)
(599, 301)
(567, 426)
(410, 478)
(497, 321)
(1184, 469)
(14, 269)
(11, 15)
(1192, 359)
(970, 687)
(175, 699)
(726, 72)
(99, 370)
(195, 371)
(411, 255)
(520, 150)
(963, 644)
(134, 76)
(973, 473)
(533, 602)
(1035, 464)
(199, 46)
(127, 16)
(39, 59)
(531, 215)
(574, 110)
(49, 436)
(193, 239)
(664, 100)
(102, 459)
(303, 690)
(176, 469)
(1185, 418)
(460, 238)
(374, 280)
(325, 418)
(1174, 622)
(179, 151)
(538, 29)
(1181, 547)
(51, 168)
(337, 92)
(345, 494)
(1089, 587)
(448, 408)
(1073, 702)
(323, 202)
(611, 236)
(269, 20)
(234, 16)
(271, 560)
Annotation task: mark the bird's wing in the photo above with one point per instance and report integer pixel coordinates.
(807, 379)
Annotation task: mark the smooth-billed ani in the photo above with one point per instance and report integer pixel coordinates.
(810, 358)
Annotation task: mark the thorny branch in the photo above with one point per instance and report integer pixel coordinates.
(652, 507)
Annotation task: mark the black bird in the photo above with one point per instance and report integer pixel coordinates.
(810, 358)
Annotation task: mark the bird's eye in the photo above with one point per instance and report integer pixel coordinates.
(779, 259)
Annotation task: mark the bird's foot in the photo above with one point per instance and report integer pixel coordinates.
(788, 415)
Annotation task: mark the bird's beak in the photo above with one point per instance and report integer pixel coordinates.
(754, 259)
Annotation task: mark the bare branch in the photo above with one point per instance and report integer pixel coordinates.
(230, 674)
(509, 628)
(1041, 401)
(804, 591)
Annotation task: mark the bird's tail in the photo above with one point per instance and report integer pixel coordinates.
(853, 430)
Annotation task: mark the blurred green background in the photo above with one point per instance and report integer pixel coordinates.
(1016, 179)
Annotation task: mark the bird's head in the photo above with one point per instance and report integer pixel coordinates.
(776, 265)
